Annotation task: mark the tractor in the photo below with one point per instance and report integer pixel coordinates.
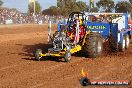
(86, 32)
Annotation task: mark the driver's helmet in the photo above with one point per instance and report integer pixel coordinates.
(76, 17)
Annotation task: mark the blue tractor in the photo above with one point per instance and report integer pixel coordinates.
(87, 32)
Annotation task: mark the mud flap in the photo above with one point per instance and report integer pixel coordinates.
(114, 35)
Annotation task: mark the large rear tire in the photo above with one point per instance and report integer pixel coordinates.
(93, 45)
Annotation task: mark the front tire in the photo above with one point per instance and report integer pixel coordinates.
(67, 56)
(37, 54)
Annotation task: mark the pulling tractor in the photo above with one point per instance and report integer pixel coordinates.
(87, 32)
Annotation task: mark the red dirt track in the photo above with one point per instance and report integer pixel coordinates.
(18, 69)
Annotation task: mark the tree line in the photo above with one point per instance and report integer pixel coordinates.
(65, 7)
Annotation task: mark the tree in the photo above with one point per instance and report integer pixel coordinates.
(53, 10)
(37, 7)
(1, 2)
(106, 5)
(82, 6)
(60, 3)
(123, 6)
(68, 6)
(95, 9)
(64, 3)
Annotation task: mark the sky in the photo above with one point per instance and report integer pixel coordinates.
(22, 5)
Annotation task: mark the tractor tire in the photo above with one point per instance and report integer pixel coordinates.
(93, 45)
(127, 41)
(37, 54)
(67, 56)
(122, 46)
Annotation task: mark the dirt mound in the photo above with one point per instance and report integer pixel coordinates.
(19, 70)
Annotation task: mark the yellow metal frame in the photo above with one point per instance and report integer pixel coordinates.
(74, 50)
(55, 55)
(85, 37)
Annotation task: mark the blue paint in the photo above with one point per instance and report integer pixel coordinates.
(114, 34)
(126, 20)
(59, 23)
(103, 28)
(121, 39)
(106, 29)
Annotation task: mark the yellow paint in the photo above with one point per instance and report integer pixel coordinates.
(76, 49)
(56, 55)
(85, 37)
(65, 48)
(80, 21)
(73, 50)
(72, 36)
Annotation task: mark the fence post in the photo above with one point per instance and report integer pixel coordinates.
(49, 31)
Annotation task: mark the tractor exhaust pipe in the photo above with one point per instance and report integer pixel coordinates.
(77, 33)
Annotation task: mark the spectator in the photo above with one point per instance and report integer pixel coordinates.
(19, 18)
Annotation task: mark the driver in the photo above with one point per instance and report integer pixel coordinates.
(72, 34)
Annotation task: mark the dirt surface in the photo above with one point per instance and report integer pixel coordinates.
(18, 69)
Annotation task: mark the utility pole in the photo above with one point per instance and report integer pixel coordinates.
(91, 5)
(34, 7)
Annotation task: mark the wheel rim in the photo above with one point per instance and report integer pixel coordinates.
(68, 56)
(99, 47)
(123, 44)
(38, 55)
(127, 42)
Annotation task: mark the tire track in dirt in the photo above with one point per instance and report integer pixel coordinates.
(38, 85)
(49, 68)
(32, 74)
(9, 67)
(60, 77)
(10, 37)
(35, 71)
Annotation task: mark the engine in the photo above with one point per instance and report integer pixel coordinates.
(59, 41)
